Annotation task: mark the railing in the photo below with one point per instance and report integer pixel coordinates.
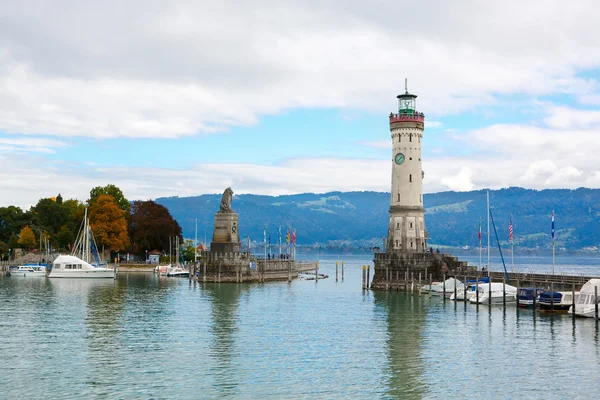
(404, 117)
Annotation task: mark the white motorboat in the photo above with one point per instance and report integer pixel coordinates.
(162, 269)
(585, 306)
(29, 271)
(437, 289)
(68, 266)
(465, 293)
(79, 263)
(177, 271)
(495, 291)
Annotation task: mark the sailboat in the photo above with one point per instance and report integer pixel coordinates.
(79, 263)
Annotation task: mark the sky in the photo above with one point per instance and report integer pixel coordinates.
(182, 98)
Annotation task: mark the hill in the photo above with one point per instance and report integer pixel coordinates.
(359, 219)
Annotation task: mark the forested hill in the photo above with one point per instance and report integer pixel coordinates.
(361, 218)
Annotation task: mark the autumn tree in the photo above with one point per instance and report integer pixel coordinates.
(26, 237)
(108, 223)
(151, 226)
(113, 191)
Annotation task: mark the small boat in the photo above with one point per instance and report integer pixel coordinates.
(526, 296)
(68, 266)
(469, 291)
(162, 269)
(437, 289)
(79, 263)
(585, 304)
(177, 271)
(29, 271)
(495, 291)
(556, 301)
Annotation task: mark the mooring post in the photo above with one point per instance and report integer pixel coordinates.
(420, 279)
(317, 271)
(455, 289)
(412, 282)
(336, 271)
(551, 296)
(573, 299)
(444, 286)
(364, 271)
(219, 272)
(534, 291)
(289, 271)
(430, 283)
(465, 293)
(368, 275)
(204, 275)
(397, 280)
(504, 291)
(596, 302)
(342, 271)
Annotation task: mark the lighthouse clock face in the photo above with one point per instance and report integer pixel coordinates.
(399, 158)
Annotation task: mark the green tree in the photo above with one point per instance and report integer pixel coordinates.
(27, 237)
(113, 191)
(108, 223)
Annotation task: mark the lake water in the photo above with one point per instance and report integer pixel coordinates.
(144, 337)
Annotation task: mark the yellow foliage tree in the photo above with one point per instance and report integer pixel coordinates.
(26, 237)
(109, 223)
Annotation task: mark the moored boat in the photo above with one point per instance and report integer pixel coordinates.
(585, 304)
(556, 301)
(69, 266)
(527, 296)
(29, 271)
(495, 290)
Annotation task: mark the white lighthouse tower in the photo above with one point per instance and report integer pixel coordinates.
(406, 232)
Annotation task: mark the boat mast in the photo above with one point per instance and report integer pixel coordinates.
(196, 243)
(480, 242)
(86, 237)
(488, 234)
(512, 247)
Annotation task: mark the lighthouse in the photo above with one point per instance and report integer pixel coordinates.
(406, 230)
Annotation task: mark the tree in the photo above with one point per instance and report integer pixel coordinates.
(26, 237)
(108, 223)
(113, 191)
(151, 226)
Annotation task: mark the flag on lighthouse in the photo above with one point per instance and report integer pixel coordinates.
(294, 237)
(287, 237)
(552, 224)
(479, 233)
(265, 234)
(510, 229)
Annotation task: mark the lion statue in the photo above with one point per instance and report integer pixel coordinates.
(226, 200)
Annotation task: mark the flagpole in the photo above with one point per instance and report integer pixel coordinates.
(488, 234)
(480, 243)
(265, 241)
(279, 240)
(196, 243)
(512, 247)
(552, 242)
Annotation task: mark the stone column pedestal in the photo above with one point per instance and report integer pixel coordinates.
(226, 236)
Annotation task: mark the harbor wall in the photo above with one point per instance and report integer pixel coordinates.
(396, 269)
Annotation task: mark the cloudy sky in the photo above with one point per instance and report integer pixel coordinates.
(165, 98)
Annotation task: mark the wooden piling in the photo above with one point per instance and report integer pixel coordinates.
(204, 275)
(465, 293)
(364, 271)
(336, 271)
(573, 299)
(219, 272)
(412, 282)
(368, 275)
(430, 283)
(397, 280)
(596, 302)
(504, 291)
(534, 290)
(455, 289)
(317, 271)
(342, 271)
(444, 286)
(289, 264)
(551, 296)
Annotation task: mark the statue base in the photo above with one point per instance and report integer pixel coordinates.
(226, 236)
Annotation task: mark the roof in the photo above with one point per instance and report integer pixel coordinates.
(154, 252)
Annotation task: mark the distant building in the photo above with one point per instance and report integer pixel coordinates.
(154, 256)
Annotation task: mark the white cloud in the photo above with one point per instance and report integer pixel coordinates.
(168, 69)
(460, 181)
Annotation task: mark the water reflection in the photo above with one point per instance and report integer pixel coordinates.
(224, 301)
(405, 318)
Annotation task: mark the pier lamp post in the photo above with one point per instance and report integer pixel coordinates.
(9, 250)
(146, 256)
